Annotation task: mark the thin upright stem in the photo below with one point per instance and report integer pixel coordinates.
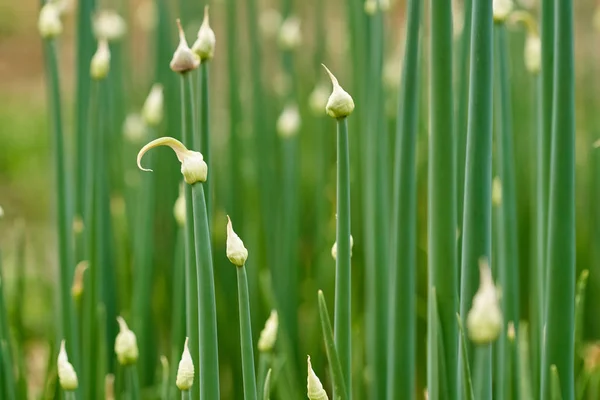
(133, 383)
(204, 118)
(249, 375)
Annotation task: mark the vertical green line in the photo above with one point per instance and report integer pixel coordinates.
(443, 262)
(477, 213)
(204, 118)
(250, 392)
(8, 387)
(402, 320)
(559, 344)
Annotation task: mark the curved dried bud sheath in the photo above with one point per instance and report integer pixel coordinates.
(185, 372)
(314, 388)
(100, 64)
(184, 59)
(67, 376)
(236, 252)
(340, 103)
(484, 321)
(126, 344)
(193, 167)
(204, 46)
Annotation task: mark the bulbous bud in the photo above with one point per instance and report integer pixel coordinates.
(288, 123)
(109, 25)
(370, 7)
(502, 9)
(184, 59)
(49, 23)
(510, 332)
(185, 372)
(484, 321)
(314, 387)
(67, 376)
(496, 192)
(317, 101)
(533, 53)
(126, 344)
(154, 106)
(290, 36)
(334, 248)
(268, 336)
(236, 252)
(134, 128)
(100, 64)
(270, 22)
(204, 46)
(340, 103)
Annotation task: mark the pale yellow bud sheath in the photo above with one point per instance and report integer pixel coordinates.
(67, 376)
(193, 167)
(314, 387)
(204, 46)
(236, 251)
(268, 336)
(185, 372)
(340, 103)
(484, 321)
(184, 59)
(126, 344)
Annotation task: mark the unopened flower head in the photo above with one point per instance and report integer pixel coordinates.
(340, 103)
(179, 208)
(185, 372)
(109, 25)
(370, 7)
(533, 53)
(134, 128)
(317, 100)
(67, 376)
(100, 64)
(49, 23)
(126, 344)
(236, 252)
(1, 212)
(184, 59)
(204, 46)
(502, 9)
(288, 123)
(496, 191)
(193, 167)
(270, 22)
(334, 248)
(484, 321)
(268, 336)
(154, 105)
(290, 36)
(314, 387)
(77, 288)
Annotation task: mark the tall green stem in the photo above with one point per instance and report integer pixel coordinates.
(443, 263)
(204, 118)
(246, 336)
(560, 307)
(476, 227)
(402, 321)
(343, 277)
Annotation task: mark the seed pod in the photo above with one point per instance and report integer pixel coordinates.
(340, 103)
(268, 336)
(49, 23)
(484, 321)
(288, 123)
(185, 372)
(204, 46)
(100, 64)
(153, 106)
(236, 252)
(67, 376)
(184, 59)
(126, 344)
(314, 387)
(502, 8)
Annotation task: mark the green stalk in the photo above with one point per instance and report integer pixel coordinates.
(7, 378)
(264, 360)
(580, 302)
(205, 129)
(402, 321)
(343, 278)
(133, 383)
(191, 273)
(332, 354)
(477, 214)
(63, 204)
(443, 263)
(555, 392)
(508, 258)
(185, 395)
(465, 372)
(267, 389)
(70, 395)
(207, 312)
(560, 299)
(433, 356)
(249, 376)
(178, 332)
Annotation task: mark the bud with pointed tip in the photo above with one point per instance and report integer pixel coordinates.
(154, 105)
(334, 248)
(268, 336)
(67, 376)
(109, 25)
(533, 53)
(193, 167)
(496, 192)
(185, 372)
(288, 123)
(49, 23)
(204, 46)
(100, 64)
(184, 59)
(340, 103)
(314, 386)
(134, 128)
(290, 36)
(502, 9)
(236, 252)
(484, 321)
(126, 344)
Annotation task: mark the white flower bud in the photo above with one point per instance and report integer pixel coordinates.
(49, 23)
(484, 321)
(185, 372)
(340, 103)
(533, 53)
(193, 167)
(384, 5)
(268, 336)
(314, 387)
(204, 46)
(126, 344)
(290, 36)
(77, 287)
(317, 101)
(270, 22)
(236, 252)
(179, 209)
(334, 248)
(370, 7)
(1, 212)
(288, 123)
(67, 376)
(109, 25)
(184, 59)
(134, 128)
(100, 64)
(496, 192)
(502, 9)
(154, 105)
